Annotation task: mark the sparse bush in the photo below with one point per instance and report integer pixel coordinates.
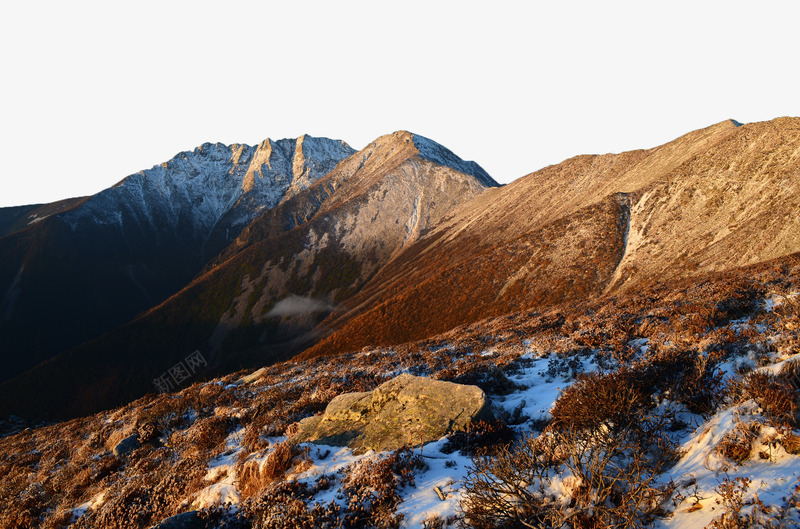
(371, 487)
(167, 415)
(207, 433)
(433, 521)
(688, 377)
(283, 506)
(732, 498)
(508, 489)
(789, 307)
(736, 516)
(564, 366)
(490, 379)
(605, 436)
(481, 438)
(617, 470)
(613, 400)
(777, 395)
(254, 476)
(737, 444)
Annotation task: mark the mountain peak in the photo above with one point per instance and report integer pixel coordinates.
(434, 152)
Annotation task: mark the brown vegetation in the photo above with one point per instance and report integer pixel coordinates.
(46, 472)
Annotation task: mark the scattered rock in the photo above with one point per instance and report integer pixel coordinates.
(405, 411)
(126, 446)
(186, 520)
(252, 377)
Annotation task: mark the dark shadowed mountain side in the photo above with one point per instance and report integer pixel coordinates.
(18, 218)
(262, 299)
(75, 269)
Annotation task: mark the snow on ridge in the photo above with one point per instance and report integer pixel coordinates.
(197, 188)
(314, 158)
(436, 153)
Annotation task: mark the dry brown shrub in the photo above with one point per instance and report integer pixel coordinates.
(255, 476)
(790, 372)
(606, 434)
(283, 506)
(434, 521)
(104, 466)
(251, 481)
(279, 460)
(595, 399)
(737, 444)
(152, 489)
(58, 519)
(776, 395)
(788, 310)
(292, 429)
(24, 500)
(371, 487)
(208, 433)
(732, 498)
(790, 442)
(689, 377)
(252, 441)
(165, 416)
(480, 438)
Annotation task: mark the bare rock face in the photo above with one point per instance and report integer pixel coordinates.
(404, 411)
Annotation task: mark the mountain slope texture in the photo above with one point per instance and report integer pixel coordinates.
(75, 269)
(322, 251)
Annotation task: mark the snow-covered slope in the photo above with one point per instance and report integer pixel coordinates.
(436, 153)
(215, 187)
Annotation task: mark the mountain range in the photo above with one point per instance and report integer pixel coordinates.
(306, 248)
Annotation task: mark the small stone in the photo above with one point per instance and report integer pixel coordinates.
(186, 520)
(126, 446)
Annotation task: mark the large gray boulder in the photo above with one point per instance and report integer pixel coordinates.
(405, 411)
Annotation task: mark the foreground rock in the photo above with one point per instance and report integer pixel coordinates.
(126, 446)
(186, 520)
(405, 411)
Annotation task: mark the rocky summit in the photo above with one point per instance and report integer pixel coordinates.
(405, 411)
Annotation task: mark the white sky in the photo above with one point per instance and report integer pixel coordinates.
(91, 92)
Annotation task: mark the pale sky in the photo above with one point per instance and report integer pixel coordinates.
(94, 91)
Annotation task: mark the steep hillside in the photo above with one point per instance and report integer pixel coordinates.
(704, 369)
(261, 300)
(75, 269)
(18, 218)
(404, 240)
(714, 199)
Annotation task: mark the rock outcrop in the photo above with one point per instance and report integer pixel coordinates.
(126, 446)
(186, 520)
(405, 411)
